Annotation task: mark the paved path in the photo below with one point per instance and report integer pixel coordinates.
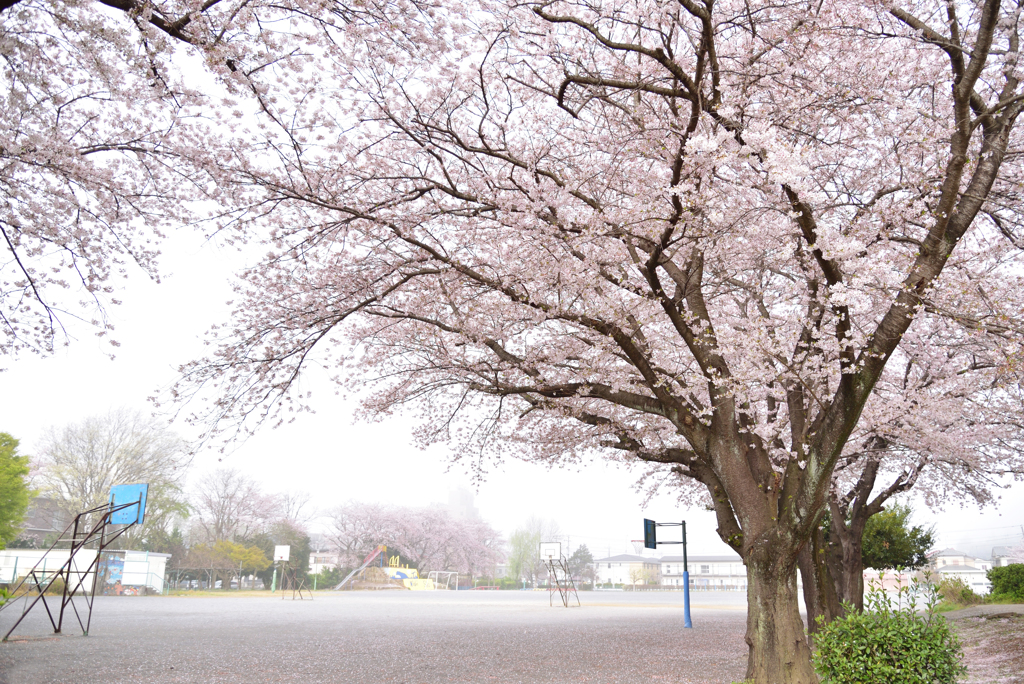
(402, 637)
(983, 610)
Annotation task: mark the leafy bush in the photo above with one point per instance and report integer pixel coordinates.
(1007, 582)
(955, 590)
(327, 578)
(889, 643)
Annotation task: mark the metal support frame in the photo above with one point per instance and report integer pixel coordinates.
(651, 542)
(564, 584)
(82, 534)
(298, 585)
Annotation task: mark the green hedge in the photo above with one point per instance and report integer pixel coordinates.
(889, 643)
(1007, 582)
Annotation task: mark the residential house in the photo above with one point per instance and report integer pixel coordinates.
(957, 564)
(1002, 555)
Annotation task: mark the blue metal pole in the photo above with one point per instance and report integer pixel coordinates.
(686, 599)
(686, 584)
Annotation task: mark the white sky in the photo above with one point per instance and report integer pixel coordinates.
(334, 459)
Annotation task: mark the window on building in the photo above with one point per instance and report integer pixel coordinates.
(705, 569)
(609, 566)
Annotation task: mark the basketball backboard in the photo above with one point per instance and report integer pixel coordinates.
(281, 553)
(127, 494)
(550, 551)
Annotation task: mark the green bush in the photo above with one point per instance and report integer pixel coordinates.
(1007, 582)
(955, 590)
(889, 643)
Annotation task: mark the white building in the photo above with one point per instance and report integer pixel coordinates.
(1002, 555)
(627, 568)
(953, 563)
(123, 571)
(707, 573)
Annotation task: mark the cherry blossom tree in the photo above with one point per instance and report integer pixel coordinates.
(355, 529)
(953, 444)
(741, 243)
(106, 136)
(431, 538)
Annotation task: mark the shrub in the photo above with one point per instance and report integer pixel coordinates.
(955, 590)
(1007, 582)
(889, 643)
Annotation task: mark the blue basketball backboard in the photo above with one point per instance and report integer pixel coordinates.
(650, 534)
(125, 494)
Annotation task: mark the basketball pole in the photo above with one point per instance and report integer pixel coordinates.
(686, 584)
(651, 542)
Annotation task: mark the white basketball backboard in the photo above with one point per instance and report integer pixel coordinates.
(281, 553)
(550, 551)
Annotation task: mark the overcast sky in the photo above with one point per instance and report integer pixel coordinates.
(334, 459)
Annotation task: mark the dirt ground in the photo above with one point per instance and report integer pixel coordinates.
(993, 645)
(379, 637)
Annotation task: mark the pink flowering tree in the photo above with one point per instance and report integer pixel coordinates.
(953, 441)
(430, 538)
(758, 247)
(105, 131)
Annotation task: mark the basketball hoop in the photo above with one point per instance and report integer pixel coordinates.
(638, 546)
(550, 551)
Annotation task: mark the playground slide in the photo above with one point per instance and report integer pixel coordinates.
(369, 559)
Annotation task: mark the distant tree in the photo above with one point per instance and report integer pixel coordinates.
(355, 529)
(638, 575)
(241, 558)
(231, 506)
(81, 462)
(581, 563)
(890, 541)
(295, 506)
(14, 491)
(524, 548)
(1017, 553)
(166, 541)
(284, 533)
(434, 539)
(428, 538)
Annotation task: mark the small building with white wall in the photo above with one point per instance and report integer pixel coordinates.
(123, 571)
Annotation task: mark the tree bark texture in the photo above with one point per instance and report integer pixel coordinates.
(819, 587)
(779, 649)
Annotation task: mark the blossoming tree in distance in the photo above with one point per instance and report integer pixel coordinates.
(760, 247)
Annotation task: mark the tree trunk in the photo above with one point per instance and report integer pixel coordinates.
(852, 589)
(820, 595)
(779, 651)
(846, 559)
